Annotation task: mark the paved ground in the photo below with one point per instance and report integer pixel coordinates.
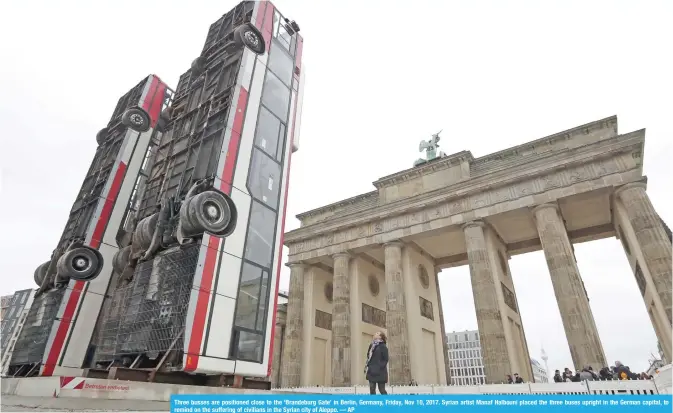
(50, 404)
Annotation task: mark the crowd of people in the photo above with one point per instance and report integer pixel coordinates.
(617, 372)
(376, 369)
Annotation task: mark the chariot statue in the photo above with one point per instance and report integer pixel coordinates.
(430, 148)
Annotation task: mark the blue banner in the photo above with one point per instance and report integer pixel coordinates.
(332, 403)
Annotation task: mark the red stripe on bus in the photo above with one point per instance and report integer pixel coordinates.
(267, 26)
(298, 53)
(201, 310)
(259, 17)
(99, 231)
(73, 299)
(157, 103)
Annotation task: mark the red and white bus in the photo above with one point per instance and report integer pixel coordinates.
(74, 282)
(207, 250)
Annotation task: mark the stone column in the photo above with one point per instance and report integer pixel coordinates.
(578, 320)
(399, 364)
(487, 306)
(341, 321)
(445, 339)
(291, 365)
(279, 333)
(652, 239)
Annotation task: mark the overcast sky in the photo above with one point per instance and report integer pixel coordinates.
(382, 75)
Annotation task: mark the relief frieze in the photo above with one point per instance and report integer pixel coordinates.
(374, 316)
(323, 320)
(361, 232)
(456, 207)
(416, 218)
(426, 308)
(452, 207)
(523, 189)
(509, 298)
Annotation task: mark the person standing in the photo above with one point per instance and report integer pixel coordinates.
(376, 366)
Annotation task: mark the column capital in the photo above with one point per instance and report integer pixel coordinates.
(393, 243)
(470, 224)
(631, 185)
(545, 206)
(343, 254)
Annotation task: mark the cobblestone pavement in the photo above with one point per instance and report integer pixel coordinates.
(50, 404)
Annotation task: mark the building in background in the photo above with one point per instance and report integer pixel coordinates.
(467, 365)
(14, 311)
(545, 359)
(539, 372)
(6, 301)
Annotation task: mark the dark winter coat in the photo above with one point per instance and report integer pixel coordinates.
(624, 373)
(377, 368)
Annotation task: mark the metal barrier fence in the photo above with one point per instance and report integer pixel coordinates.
(587, 387)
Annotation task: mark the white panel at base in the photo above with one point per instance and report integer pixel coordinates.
(228, 278)
(215, 365)
(68, 371)
(235, 242)
(246, 368)
(80, 336)
(100, 284)
(219, 333)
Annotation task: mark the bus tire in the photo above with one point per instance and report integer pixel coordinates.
(247, 35)
(121, 259)
(142, 236)
(136, 119)
(81, 264)
(198, 66)
(101, 136)
(211, 211)
(40, 273)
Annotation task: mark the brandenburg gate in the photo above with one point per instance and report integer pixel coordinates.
(371, 262)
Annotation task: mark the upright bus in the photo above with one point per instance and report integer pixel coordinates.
(204, 263)
(73, 284)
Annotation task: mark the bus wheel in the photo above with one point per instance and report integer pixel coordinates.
(136, 119)
(211, 211)
(101, 136)
(40, 273)
(82, 264)
(142, 237)
(121, 259)
(249, 36)
(198, 66)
